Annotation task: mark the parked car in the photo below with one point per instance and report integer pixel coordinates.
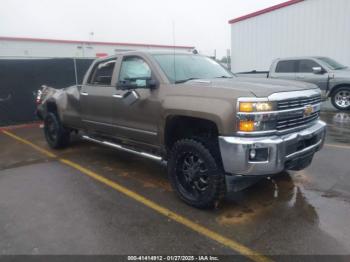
(330, 76)
(211, 128)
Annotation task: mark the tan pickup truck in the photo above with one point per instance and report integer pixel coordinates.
(212, 129)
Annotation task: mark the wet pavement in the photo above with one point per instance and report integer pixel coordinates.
(49, 208)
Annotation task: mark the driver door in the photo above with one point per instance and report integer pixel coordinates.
(136, 119)
(305, 73)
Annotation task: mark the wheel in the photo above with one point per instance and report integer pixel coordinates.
(195, 174)
(341, 98)
(56, 135)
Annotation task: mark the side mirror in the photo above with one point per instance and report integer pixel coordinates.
(151, 84)
(317, 70)
(127, 85)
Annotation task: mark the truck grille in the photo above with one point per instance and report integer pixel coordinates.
(298, 102)
(296, 121)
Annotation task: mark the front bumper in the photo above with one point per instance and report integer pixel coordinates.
(290, 151)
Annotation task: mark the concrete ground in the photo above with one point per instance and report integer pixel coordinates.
(47, 207)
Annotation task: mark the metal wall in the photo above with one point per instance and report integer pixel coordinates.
(311, 27)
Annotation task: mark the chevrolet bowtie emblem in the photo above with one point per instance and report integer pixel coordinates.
(308, 110)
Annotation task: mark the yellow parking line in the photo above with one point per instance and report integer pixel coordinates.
(24, 141)
(230, 243)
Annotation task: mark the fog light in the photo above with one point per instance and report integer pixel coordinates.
(252, 153)
(258, 154)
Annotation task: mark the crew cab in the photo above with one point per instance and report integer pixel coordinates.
(329, 75)
(213, 130)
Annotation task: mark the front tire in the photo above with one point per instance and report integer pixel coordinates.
(341, 98)
(56, 135)
(195, 174)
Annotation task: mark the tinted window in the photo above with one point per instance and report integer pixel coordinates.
(103, 72)
(136, 70)
(305, 66)
(287, 66)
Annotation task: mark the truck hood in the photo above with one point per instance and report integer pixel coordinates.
(260, 87)
(343, 73)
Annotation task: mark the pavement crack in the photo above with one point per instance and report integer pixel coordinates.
(26, 163)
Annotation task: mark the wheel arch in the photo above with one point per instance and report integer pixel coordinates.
(335, 88)
(182, 126)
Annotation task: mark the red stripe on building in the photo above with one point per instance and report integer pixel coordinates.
(264, 11)
(25, 39)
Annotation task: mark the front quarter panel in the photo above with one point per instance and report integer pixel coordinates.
(219, 111)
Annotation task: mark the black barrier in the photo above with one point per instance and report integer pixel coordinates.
(21, 78)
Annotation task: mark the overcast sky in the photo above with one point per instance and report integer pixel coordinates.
(199, 23)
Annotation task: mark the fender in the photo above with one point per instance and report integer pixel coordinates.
(219, 111)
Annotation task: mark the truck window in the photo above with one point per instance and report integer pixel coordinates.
(305, 66)
(135, 69)
(287, 66)
(102, 73)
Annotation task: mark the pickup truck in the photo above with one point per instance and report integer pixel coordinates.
(209, 127)
(330, 76)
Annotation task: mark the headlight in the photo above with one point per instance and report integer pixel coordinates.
(255, 106)
(251, 125)
(252, 116)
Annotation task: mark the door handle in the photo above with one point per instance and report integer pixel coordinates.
(118, 96)
(84, 93)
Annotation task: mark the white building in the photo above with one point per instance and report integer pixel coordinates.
(12, 47)
(293, 28)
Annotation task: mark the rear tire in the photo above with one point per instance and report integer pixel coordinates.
(195, 174)
(56, 135)
(341, 98)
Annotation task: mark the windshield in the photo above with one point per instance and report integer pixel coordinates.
(334, 65)
(188, 67)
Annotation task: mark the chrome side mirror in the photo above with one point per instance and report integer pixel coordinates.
(130, 97)
(317, 70)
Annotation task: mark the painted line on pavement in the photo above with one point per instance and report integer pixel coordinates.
(230, 243)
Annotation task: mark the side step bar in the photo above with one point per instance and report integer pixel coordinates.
(120, 147)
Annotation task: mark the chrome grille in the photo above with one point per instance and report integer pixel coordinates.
(298, 102)
(296, 121)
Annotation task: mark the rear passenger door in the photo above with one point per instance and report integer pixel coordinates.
(96, 98)
(305, 73)
(285, 69)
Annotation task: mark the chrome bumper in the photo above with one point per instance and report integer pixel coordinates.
(235, 150)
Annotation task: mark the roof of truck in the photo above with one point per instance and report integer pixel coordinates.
(299, 57)
(149, 52)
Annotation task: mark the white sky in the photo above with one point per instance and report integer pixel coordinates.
(199, 23)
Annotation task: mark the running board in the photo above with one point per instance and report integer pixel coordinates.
(120, 147)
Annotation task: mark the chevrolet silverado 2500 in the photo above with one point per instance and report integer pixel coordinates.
(211, 128)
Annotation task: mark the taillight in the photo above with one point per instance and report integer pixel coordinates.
(38, 97)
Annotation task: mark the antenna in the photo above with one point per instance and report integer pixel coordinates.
(173, 23)
(75, 70)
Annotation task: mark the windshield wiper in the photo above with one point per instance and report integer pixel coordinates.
(185, 80)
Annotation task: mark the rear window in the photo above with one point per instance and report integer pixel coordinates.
(287, 66)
